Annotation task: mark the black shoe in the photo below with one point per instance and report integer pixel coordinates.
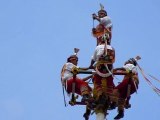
(112, 106)
(86, 116)
(120, 115)
(128, 106)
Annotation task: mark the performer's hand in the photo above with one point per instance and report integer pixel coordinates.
(63, 83)
(94, 30)
(94, 16)
(128, 71)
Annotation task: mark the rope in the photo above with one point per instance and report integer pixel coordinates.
(155, 89)
(154, 78)
(90, 82)
(93, 23)
(116, 78)
(102, 74)
(64, 98)
(109, 70)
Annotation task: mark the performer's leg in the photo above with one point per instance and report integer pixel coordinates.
(121, 103)
(83, 89)
(87, 113)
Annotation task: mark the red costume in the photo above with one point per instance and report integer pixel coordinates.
(81, 87)
(128, 86)
(103, 84)
(73, 83)
(104, 56)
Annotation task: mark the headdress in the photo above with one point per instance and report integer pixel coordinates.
(102, 9)
(74, 56)
(134, 60)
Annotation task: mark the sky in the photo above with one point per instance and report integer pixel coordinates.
(37, 36)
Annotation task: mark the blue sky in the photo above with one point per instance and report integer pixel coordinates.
(36, 37)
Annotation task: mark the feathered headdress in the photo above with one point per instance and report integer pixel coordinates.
(134, 60)
(74, 56)
(76, 50)
(102, 9)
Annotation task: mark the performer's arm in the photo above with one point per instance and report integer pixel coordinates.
(95, 17)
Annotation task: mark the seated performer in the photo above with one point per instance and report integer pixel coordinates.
(67, 78)
(102, 61)
(128, 86)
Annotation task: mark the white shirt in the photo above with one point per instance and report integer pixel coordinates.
(99, 51)
(106, 21)
(66, 71)
(130, 67)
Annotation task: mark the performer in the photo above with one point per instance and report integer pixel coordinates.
(128, 86)
(103, 58)
(104, 28)
(67, 79)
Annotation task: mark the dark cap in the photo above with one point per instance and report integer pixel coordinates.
(102, 11)
(133, 61)
(72, 57)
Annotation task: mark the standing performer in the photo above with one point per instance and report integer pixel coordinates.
(128, 86)
(67, 78)
(104, 28)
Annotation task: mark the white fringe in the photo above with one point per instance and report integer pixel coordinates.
(100, 116)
